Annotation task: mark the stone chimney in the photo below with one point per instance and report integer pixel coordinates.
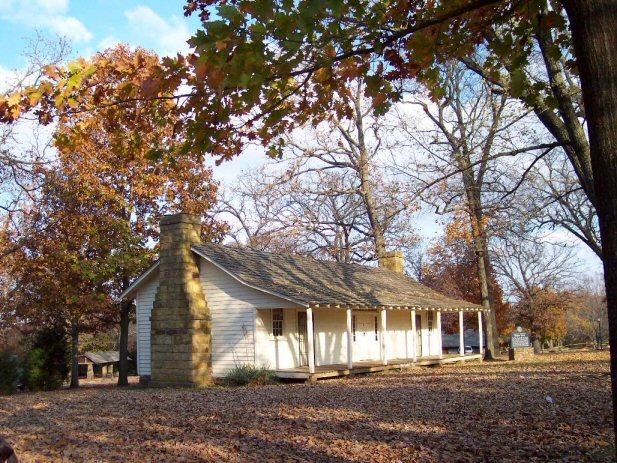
(394, 261)
(180, 321)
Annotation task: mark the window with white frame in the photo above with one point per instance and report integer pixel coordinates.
(376, 329)
(431, 317)
(277, 322)
(353, 327)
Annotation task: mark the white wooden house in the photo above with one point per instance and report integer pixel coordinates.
(298, 316)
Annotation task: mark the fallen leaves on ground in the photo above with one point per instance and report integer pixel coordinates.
(495, 411)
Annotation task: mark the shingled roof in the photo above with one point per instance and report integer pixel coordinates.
(103, 356)
(308, 281)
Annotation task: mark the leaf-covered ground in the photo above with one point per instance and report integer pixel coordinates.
(555, 408)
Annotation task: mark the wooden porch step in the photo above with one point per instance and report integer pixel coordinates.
(333, 371)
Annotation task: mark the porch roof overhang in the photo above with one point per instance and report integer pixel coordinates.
(474, 308)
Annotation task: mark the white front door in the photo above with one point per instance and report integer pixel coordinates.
(302, 339)
(418, 335)
(365, 337)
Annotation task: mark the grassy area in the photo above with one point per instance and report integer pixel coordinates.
(554, 408)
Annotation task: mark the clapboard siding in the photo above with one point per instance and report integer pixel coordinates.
(277, 352)
(233, 308)
(143, 305)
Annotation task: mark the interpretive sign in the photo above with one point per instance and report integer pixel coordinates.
(519, 339)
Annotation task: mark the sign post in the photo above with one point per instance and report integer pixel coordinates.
(520, 345)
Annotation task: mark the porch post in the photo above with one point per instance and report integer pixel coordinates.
(480, 334)
(461, 334)
(349, 341)
(414, 341)
(439, 333)
(311, 340)
(382, 336)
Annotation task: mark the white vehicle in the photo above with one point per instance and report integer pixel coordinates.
(468, 350)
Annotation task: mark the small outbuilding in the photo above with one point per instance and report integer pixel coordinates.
(98, 364)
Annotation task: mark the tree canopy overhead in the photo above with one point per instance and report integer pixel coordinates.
(260, 68)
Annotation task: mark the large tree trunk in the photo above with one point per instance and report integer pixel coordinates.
(480, 241)
(123, 364)
(368, 198)
(366, 187)
(492, 333)
(481, 248)
(594, 31)
(74, 355)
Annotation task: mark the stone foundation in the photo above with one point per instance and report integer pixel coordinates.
(180, 321)
(520, 353)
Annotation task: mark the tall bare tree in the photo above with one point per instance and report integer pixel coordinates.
(538, 275)
(529, 263)
(461, 160)
(356, 146)
(254, 211)
(329, 195)
(546, 83)
(551, 197)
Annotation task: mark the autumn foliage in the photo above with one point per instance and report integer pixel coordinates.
(452, 270)
(259, 69)
(545, 313)
(93, 222)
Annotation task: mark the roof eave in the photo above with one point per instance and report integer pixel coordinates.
(344, 305)
(139, 281)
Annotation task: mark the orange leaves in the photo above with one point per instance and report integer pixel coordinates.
(105, 183)
(545, 312)
(221, 45)
(14, 99)
(216, 78)
(200, 68)
(322, 75)
(110, 77)
(150, 87)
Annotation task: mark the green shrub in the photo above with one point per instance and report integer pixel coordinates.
(242, 375)
(9, 372)
(47, 360)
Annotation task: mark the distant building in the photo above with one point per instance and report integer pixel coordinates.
(450, 341)
(98, 364)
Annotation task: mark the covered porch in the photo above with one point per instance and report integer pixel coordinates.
(332, 340)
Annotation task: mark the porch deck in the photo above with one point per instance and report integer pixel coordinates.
(371, 366)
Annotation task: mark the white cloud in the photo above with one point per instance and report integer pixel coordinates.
(166, 37)
(108, 42)
(45, 14)
(6, 77)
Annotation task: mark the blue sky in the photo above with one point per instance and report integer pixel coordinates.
(92, 25)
